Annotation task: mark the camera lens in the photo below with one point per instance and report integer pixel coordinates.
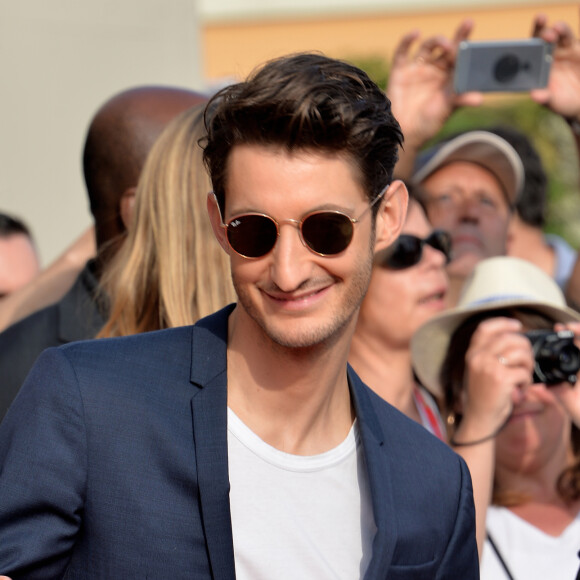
(557, 358)
(569, 359)
(506, 68)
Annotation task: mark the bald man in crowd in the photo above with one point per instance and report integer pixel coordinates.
(119, 138)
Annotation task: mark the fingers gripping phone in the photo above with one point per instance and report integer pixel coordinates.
(502, 66)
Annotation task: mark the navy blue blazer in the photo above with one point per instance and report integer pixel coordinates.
(113, 464)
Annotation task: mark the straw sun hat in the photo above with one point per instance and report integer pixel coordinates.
(496, 283)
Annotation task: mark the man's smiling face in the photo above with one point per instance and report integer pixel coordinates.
(297, 298)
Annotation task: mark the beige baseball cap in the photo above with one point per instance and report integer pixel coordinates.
(483, 148)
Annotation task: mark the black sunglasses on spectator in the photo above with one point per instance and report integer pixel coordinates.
(407, 250)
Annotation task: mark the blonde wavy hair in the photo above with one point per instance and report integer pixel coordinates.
(170, 271)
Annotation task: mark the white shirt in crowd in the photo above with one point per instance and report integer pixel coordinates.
(529, 553)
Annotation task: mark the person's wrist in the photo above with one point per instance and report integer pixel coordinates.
(479, 426)
(474, 432)
(466, 436)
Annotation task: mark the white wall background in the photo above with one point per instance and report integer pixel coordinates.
(59, 61)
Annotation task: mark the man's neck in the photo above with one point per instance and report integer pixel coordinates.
(296, 400)
(530, 244)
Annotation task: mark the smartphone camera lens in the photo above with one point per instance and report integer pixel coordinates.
(506, 68)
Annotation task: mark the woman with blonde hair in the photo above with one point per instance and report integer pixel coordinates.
(171, 271)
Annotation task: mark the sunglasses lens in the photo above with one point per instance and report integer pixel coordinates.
(407, 250)
(327, 233)
(252, 236)
(404, 253)
(440, 240)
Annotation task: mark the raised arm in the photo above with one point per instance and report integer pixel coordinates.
(421, 89)
(562, 95)
(51, 284)
(498, 362)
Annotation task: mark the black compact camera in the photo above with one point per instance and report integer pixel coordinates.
(557, 358)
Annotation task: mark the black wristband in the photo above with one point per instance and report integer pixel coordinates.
(476, 442)
(455, 443)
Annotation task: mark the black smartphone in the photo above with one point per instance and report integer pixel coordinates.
(502, 66)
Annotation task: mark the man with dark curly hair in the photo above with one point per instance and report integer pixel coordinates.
(244, 446)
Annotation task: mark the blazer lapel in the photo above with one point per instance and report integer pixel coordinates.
(209, 409)
(378, 469)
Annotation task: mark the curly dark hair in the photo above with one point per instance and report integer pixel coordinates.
(305, 101)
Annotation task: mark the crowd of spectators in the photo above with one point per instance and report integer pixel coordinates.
(192, 197)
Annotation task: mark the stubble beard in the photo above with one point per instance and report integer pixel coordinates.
(324, 335)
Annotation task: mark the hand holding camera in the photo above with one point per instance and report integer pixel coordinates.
(498, 364)
(501, 362)
(502, 359)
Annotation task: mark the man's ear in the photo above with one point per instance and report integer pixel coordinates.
(215, 219)
(126, 206)
(391, 215)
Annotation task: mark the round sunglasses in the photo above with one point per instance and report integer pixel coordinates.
(407, 250)
(325, 232)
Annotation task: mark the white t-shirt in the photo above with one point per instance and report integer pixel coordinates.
(298, 517)
(529, 553)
